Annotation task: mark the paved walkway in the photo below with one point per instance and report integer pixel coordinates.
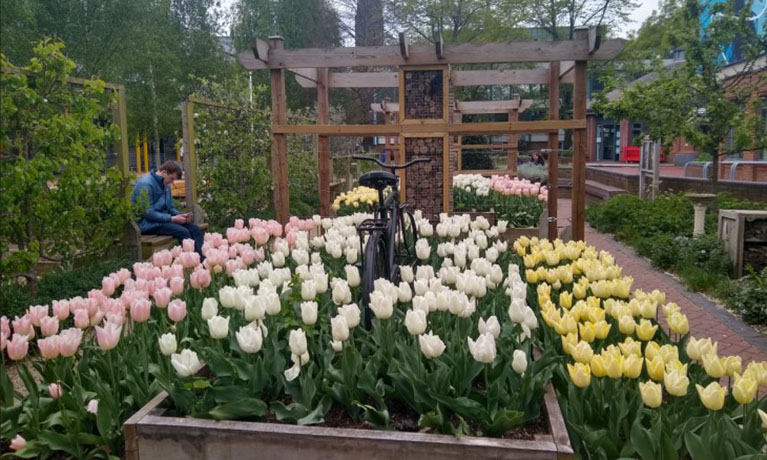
(705, 317)
(666, 170)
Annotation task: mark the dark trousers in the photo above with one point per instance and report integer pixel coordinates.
(181, 232)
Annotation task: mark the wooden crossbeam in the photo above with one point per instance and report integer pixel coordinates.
(404, 46)
(465, 53)
(467, 107)
(462, 129)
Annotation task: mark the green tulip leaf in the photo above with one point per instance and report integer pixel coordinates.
(247, 408)
(695, 446)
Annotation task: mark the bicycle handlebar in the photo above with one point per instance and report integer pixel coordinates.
(393, 167)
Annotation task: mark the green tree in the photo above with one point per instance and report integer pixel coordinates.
(693, 100)
(559, 18)
(58, 200)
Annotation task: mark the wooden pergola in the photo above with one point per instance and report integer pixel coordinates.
(423, 132)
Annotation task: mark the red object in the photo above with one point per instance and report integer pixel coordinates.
(631, 154)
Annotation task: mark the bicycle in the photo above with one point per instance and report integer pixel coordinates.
(392, 231)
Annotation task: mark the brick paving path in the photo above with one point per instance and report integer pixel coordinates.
(705, 317)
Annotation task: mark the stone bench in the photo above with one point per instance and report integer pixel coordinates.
(597, 191)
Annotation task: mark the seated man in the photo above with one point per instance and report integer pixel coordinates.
(159, 216)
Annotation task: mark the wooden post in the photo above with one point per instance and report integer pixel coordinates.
(120, 118)
(387, 146)
(655, 169)
(190, 155)
(512, 153)
(553, 163)
(579, 145)
(279, 140)
(323, 142)
(146, 153)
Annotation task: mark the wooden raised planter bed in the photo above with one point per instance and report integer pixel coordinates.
(150, 435)
(512, 234)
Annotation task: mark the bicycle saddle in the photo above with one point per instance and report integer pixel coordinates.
(378, 180)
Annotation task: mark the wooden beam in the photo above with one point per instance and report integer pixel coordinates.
(438, 45)
(566, 70)
(466, 53)
(595, 39)
(190, 154)
(484, 146)
(307, 78)
(260, 49)
(468, 107)
(579, 146)
(499, 77)
(553, 144)
(279, 158)
(404, 46)
(513, 152)
(323, 142)
(464, 129)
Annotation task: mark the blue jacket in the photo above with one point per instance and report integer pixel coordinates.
(160, 207)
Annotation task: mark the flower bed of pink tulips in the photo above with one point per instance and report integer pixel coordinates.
(518, 201)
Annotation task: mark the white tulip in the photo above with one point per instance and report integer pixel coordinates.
(339, 328)
(337, 345)
(278, 259)
(406, 273)
(352, 314)
(431, 345)
(381, 304)
(281, 245)
(491, 254)
(316, 258)
(491, 326)
(352, 275)
(272, 303)
(293, 372)
(186, 363)
(501, 226)
(519, 363)
(517, 310)
(422, 249)
(483, 350)
(404, 293)
(321, 280)
(264, 268)
(255, 308)
(351, 255)
(530, 320)
(250, 339)
(300, 256)
(297, 342)
(426, 229)
(341, 292)
(309, 312)
(308, 290)
(218, 327)
(209, 308)
(424, 272)
(420, 303)
(228, 296)
(415, 321)
(168, 344)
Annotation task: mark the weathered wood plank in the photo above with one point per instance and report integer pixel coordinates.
(279, 140)
(539, 126)
(323, 142)
(553, 145)
(579, 154)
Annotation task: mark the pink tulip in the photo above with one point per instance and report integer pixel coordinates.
(248, 256)
(108, 286)
(177, 310)
(188, 245)
(82, 320)
(49, 347)
(274, 228)
(49, 326)
(231, 253)
(23, 326)
(17, 347)
(177, 285)
(3, 341)
(55, 390)
(252, 222)
(239, 224)
(93, 406)
(124, 275)
(96, 318)
(5, 325)
(18, 443)
(108, 336)
(69, 341)
(92, 305)
(189, 259)
(116, 318)
(61, 309)
(260, 255)
(178, 269)
(233, 265)
(175, 251)
(140, 310)
(37, 312)
(260, 235)
(140, 284)
(162, 297)
(200, 278)
(291, 237)
(162, 258)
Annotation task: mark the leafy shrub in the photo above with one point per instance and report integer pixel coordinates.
(476, 161)
(533, 172)
(748, 295)
(613, 214)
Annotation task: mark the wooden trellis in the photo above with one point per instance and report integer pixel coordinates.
(435, 123)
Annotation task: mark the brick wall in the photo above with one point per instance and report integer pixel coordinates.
(744, 172)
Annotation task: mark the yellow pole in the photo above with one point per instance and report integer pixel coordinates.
(138, 153)
(146, 154)
(178, 152)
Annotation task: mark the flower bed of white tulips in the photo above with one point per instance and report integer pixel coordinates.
(270, 326)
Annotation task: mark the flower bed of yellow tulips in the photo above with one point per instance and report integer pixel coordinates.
(358, 199)
(624, 380)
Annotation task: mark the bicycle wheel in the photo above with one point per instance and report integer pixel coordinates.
(374, 266)
(407, 234)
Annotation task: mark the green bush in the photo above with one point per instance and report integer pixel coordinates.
(533, 172)
(748, 295)
(59, 284)
(476, 161)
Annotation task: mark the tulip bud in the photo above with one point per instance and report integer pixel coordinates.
(431, 345)
(580, 374)
(626, 324)
(713, 366)
(655, 367)
(415, 321)
(249, 338)
(676, 382)
(168, 344)
(339, 328)
(652, 394)
(632, 366)
(519, 362)
(352, 275)
(744, 389)
(218, 327)
(186, 363)
(309, 312)
(491, 326)
(711, 396)
(598, 366)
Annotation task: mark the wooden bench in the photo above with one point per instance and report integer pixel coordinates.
(597, 191)
(142, 247)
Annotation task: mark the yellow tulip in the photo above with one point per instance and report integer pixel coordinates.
(622, 287)
(531, 276)
(658, 297)
(744, 389)
(582, 352)
(552, 258)
(630, 347)
(565, 300)
(651, 350)
(543, 289)
(632, 366)
(712, 396)
(568, 342)
(595, 314)
(677, 323)
(646, 330)
(670, 308)
(732, 365)
(635, 306)
(713, 366)
(763, 416)
(758, 371)
(626, 325)
(579, 291)
(676, 365)
(580, 374)
(569, 323)
(587, 331)
(696, 349)
(676, 382)
(601, 288)
(669, 353)
(652, 393)
(598, 366)
(529, 261)
(552, 277)
(648, 310)
(656, 368)
(601, 329)
(577, 310)
(565, 274)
